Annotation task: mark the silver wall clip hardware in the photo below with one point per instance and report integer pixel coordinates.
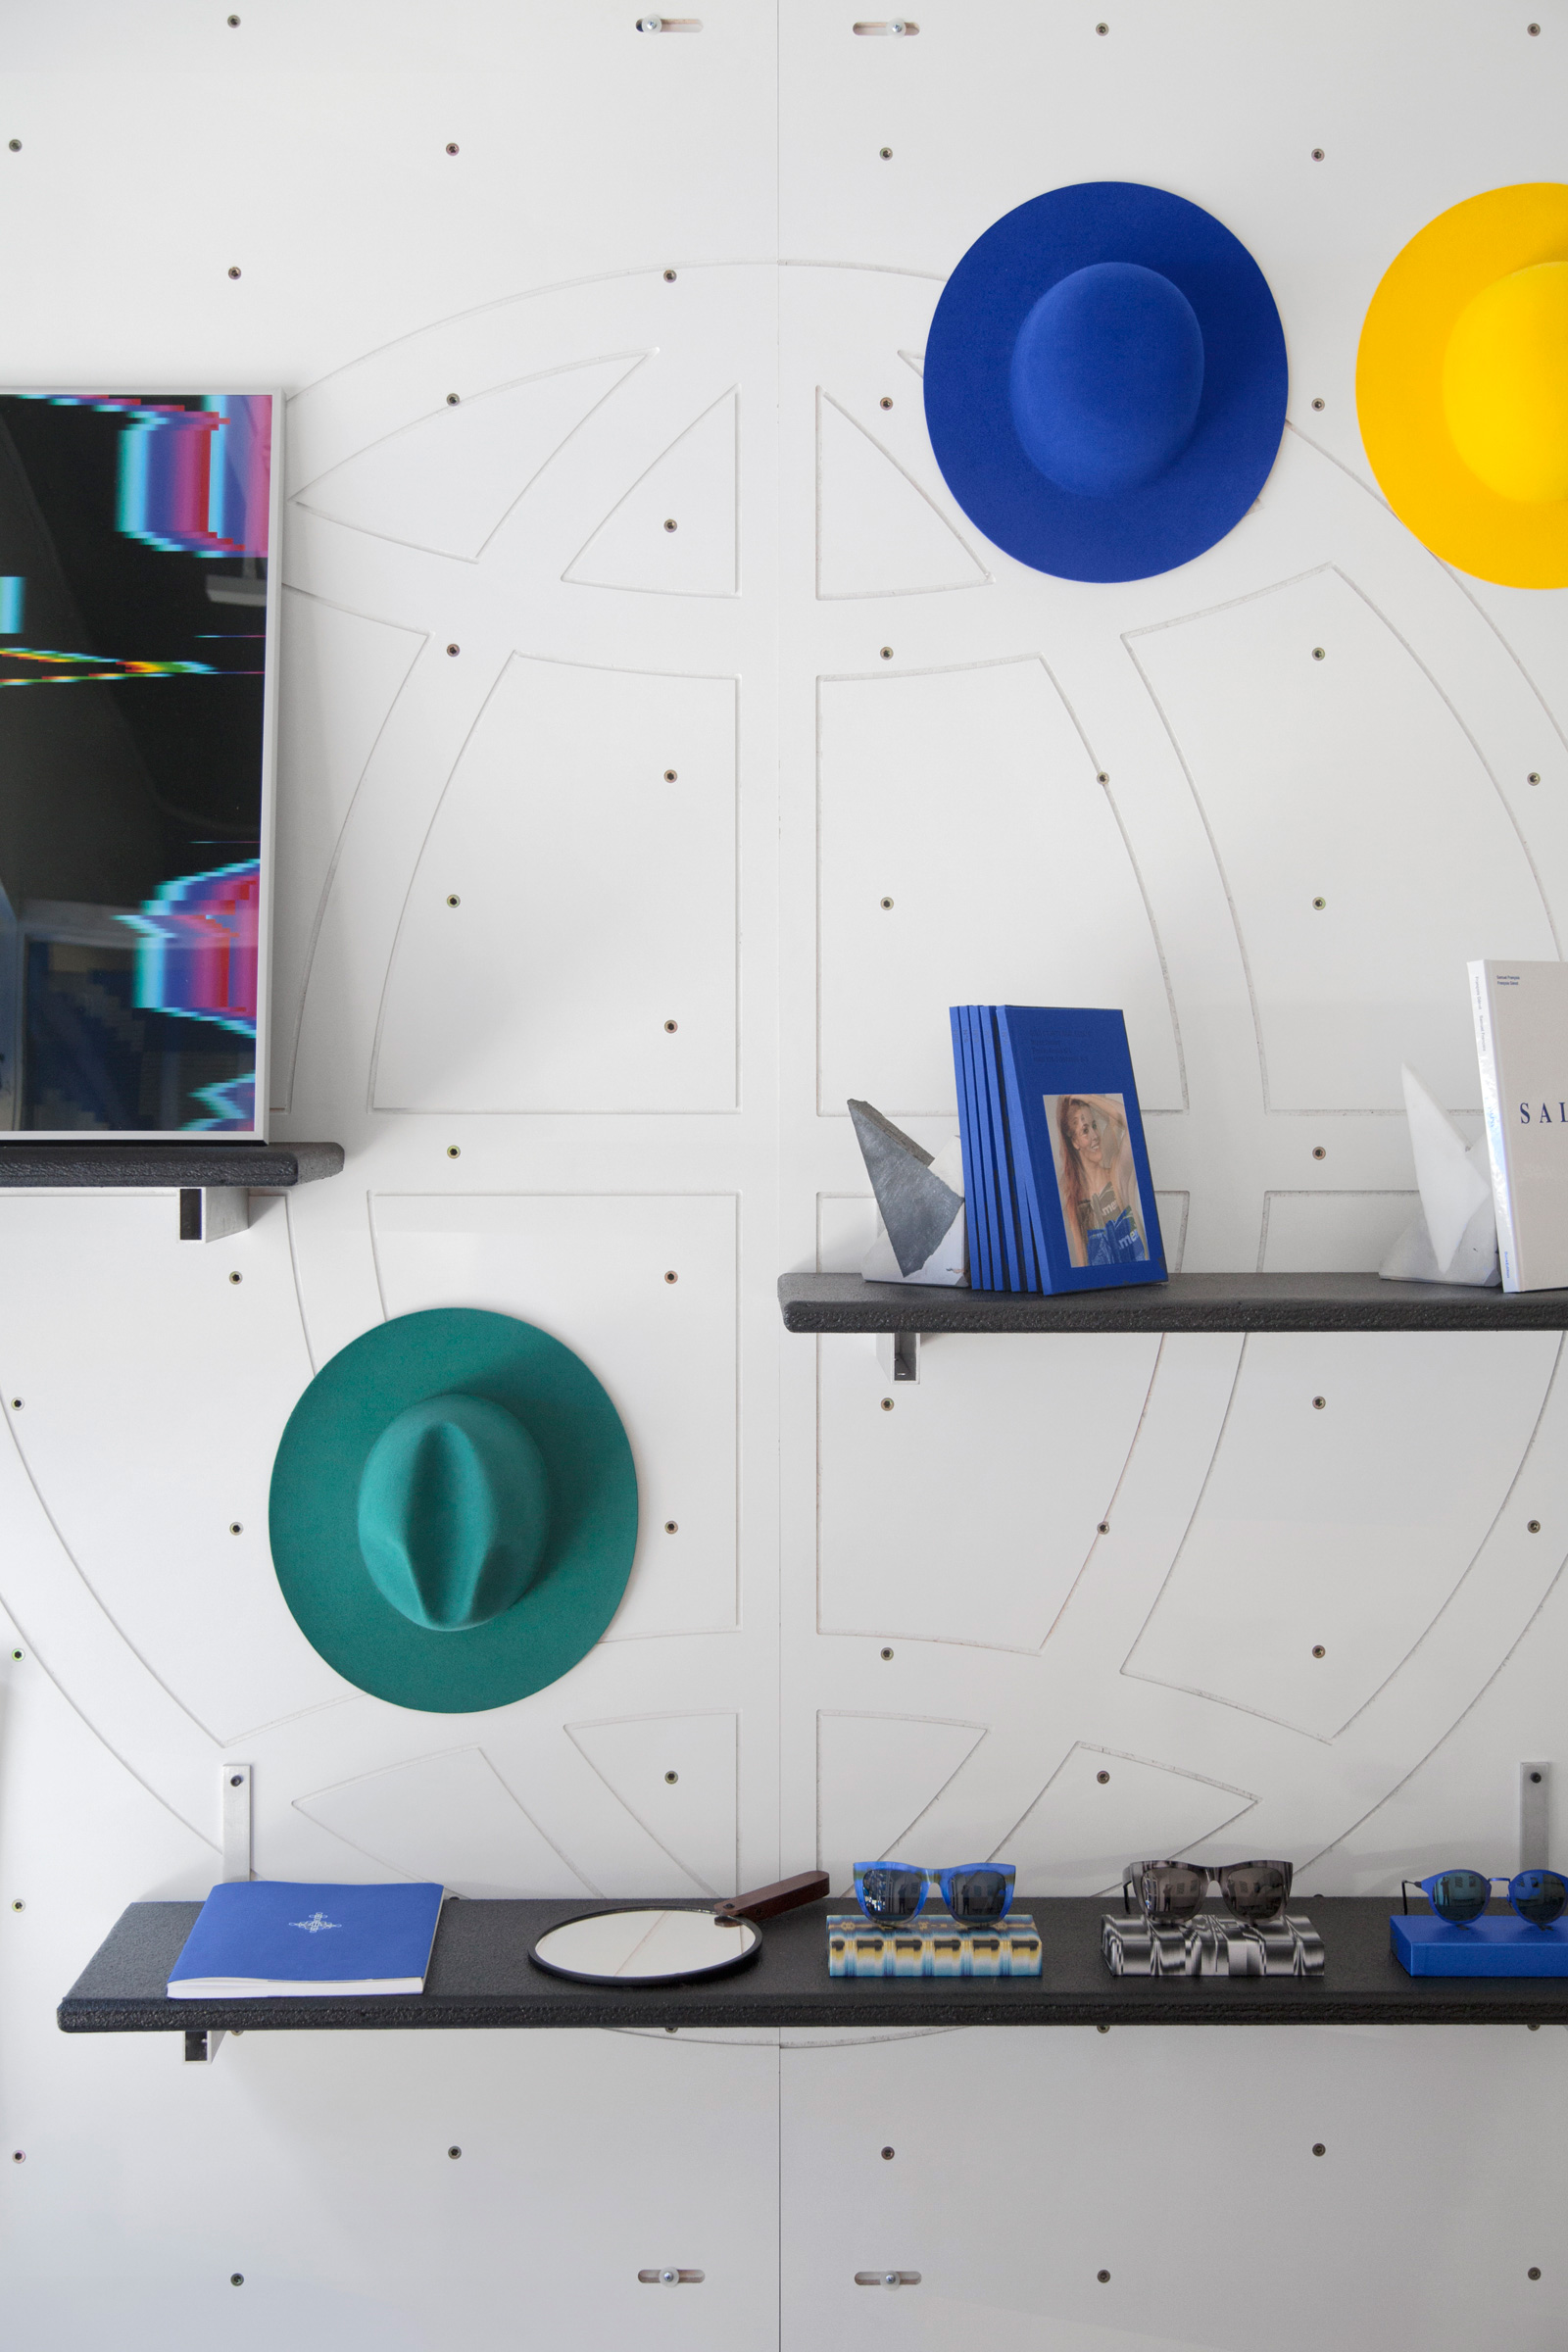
(670, 2278)
(887, 2277)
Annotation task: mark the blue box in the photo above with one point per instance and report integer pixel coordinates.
(1494, 1945)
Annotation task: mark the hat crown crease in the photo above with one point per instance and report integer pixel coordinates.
(1506, 385)
(1106, 378)
(454, 1508)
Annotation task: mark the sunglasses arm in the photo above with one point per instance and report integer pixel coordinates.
(767, 1902)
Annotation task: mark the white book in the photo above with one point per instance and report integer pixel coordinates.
(1521, 1017)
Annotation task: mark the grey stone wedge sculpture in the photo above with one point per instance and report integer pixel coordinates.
(920, 1232)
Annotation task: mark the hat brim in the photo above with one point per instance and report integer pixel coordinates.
(1208, 486)
(315, 1503)
(1399, 385)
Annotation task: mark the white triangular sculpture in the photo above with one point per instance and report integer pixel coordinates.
(1455, 1238)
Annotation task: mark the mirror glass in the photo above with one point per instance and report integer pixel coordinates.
(645, 1946)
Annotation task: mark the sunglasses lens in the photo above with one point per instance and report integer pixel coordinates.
(1169, 1890)
(1459, 1896)
(1256, 1890)
(977, 1893)
(1539, 1896)
(889, 1891)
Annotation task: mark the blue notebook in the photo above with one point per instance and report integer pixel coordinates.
(257, 1937)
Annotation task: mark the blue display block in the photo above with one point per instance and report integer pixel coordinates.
(1494, 1945)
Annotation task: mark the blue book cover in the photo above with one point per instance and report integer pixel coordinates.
(1009, 1162)
(1010, 1271)
(1037, 1272)
(977, 1222)
(1078, 1146)
(996, 1265)
(260, 1937)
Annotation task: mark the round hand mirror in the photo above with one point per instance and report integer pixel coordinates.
(650, 1947)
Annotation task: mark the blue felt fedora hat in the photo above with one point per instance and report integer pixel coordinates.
(1105, 382)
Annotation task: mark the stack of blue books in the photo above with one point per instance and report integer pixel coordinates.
(1058, 1190)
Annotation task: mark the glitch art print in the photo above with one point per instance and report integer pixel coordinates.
(135, 535)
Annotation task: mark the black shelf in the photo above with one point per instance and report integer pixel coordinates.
(844, 1303)
(181, 1167)
(480, 1976)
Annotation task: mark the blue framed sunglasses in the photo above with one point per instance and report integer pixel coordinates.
(1539, 1896)
(890, 1891)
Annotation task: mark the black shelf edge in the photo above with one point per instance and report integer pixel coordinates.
(480, 1976)
(108, 1166)
(844, 1303)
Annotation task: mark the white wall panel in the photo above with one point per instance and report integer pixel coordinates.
(540, 966)
(677, 280)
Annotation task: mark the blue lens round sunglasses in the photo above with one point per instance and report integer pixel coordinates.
(1539, 1896)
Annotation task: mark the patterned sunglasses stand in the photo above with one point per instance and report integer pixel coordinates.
(972, 1931)
(1168, 1936)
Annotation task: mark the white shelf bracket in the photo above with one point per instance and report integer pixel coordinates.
(1535, 1802)
(237, 1801)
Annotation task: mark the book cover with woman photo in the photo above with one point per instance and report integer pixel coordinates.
(1075, 1149)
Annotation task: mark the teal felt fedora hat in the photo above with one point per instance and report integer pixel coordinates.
(454, 1510)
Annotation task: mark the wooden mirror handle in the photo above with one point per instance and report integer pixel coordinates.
(765, 1902)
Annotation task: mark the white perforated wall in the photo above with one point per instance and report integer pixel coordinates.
(670, 776)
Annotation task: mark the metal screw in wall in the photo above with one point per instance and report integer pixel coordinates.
(1317, 154)
(454, 2153)
(19, 1905)
(1103, 777)
(236, 2277)
(16, 1657)
(453, 899)
(672, 1528)
(887, 1404)
(673, 1276)
(1318, 1651)
(19, 2155)
(886, 153)
(454, 649)
(1318, 2149)
(887, 653)
(236, 1780)
(887, 2155)
(1320, 903)
(1533, 30)
(1320, 653)
(1534, 1529)
(236, 1278)
(672, 1778)
(453, 399)
(1102, 2028)
(1534, 776)
(669, 775)
(670, 524)
(1318, 1152)
(233, 273)
(16, 146)
(885, 1655)
(1104, 1528)
(1318, 1403)
(1101, 1778)
(1103, 2276)
(1320, 403)
(235, 1529)
(16, 1405)
(454, 1150)
(886, 401)
(670, 1028)
(452, 146)
(669, 277)
(886, 905)
(1533, 2271)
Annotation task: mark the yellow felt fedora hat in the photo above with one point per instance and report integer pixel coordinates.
(1462, 385)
